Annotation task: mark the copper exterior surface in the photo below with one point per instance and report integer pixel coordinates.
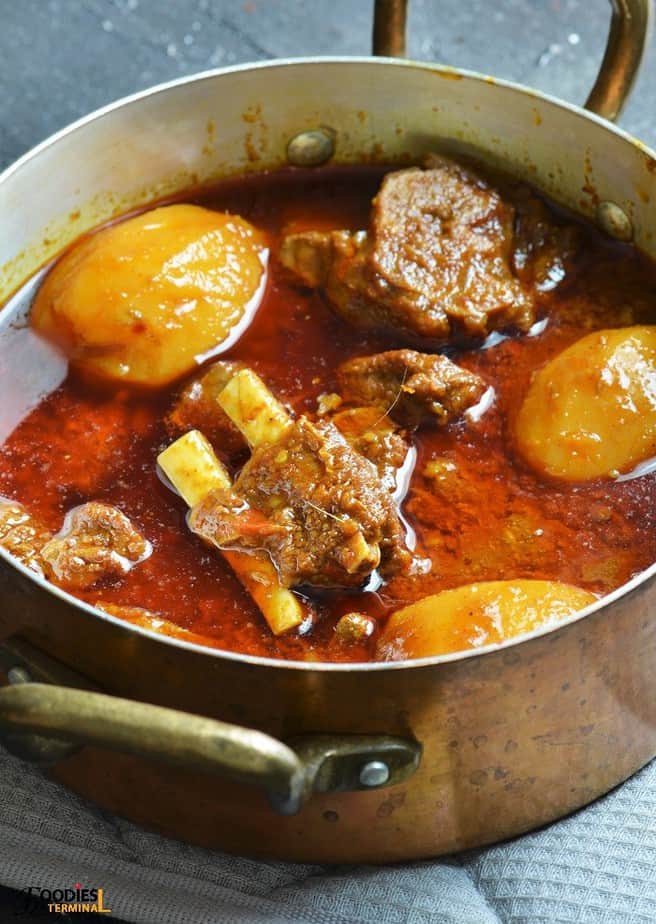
(512, 739)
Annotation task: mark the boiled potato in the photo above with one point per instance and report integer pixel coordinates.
(591, 411)
(476, 615)
(140, 301)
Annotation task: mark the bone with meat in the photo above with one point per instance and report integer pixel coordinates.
(195, 472)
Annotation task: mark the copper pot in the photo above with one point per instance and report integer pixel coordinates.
(381, 762)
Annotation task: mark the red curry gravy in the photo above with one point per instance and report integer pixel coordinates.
(478, 512)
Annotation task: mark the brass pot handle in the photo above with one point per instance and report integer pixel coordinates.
(45, 723)
(628, 36)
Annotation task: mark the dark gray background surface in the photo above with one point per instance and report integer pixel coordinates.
(64, 58)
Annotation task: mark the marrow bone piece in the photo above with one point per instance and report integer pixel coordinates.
(196, 408)
(200, 478)
(249, 404)
(192, 467)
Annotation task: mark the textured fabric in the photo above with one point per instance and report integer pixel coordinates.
(596, 867)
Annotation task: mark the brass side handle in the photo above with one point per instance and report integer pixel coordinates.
(45, 723)
(192, 741)
(628, 37)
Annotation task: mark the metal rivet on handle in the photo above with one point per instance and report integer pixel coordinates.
(311, 148)
(614, 221)
(374, 773)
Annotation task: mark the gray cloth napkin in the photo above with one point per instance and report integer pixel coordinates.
(596, 867)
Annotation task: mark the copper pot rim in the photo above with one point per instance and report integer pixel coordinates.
(448, 73)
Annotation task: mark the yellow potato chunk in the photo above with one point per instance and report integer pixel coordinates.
(475, 615)
(141, 301)
(591, 411)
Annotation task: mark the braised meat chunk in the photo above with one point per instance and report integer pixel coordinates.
(197, 409)
(339, 525)
(435, 261)
(324, 517)
(97, 541)
(411, 386)
(310, 255)
(442, 239)
(21, 534)
(376, 437)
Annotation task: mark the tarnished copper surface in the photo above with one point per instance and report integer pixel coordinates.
(512, 739)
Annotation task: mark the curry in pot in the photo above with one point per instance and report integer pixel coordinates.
(348, 414)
